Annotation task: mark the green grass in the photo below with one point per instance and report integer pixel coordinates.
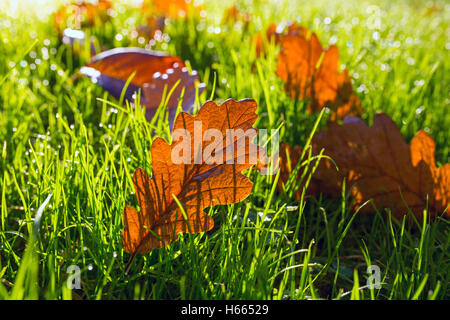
(70, 140)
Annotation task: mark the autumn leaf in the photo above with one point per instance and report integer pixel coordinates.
(196, 182)
(185, 83)
(155, 73)
(120, 63)
(233, 15)
(310, 72)
(170, 9)
(379, 165)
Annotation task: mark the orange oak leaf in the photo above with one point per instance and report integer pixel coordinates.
(310, 72)
(383, 167)
(233, 15)
(377, 165)
(169, 8)
(186, 88)
(192, 171)
(155, 73)
(120, 63)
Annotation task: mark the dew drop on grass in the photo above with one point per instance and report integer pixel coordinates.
(45, 55)
(333, 40)
(420, 109)
(419, 83)
(376, 36)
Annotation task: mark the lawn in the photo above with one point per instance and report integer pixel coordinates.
(68, 151)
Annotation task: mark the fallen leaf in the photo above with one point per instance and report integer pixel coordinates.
(154, 71)
(310, 72)
(346, 102)
(379, 165)
(153, 92)
(233, 15)
(170, 9)
(196, 182)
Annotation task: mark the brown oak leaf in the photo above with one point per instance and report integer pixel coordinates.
(198, 181)
(379, 165)
(170, 8)
(310, 72)
(154, 73)
(233, 15)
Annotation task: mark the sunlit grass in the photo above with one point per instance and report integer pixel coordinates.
(71, 140)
